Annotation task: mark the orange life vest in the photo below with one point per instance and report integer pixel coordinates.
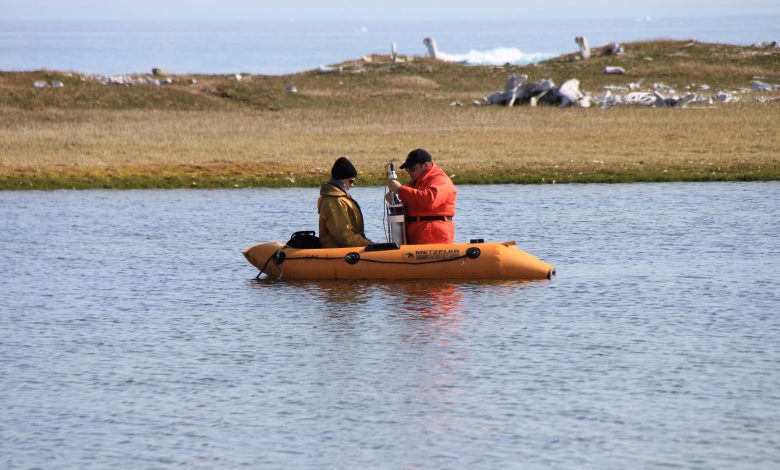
(430, 208)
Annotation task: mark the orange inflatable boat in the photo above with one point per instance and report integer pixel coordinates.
(387, 261)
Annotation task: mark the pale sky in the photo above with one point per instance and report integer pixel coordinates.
(364, 10)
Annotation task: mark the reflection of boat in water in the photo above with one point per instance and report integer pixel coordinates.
(436, 261)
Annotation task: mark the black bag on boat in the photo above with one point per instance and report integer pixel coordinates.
(305, 239)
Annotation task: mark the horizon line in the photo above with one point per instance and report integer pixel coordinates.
(639, 18)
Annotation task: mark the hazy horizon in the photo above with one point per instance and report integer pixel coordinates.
(350, 10)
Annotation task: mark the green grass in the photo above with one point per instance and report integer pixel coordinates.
(183, 176)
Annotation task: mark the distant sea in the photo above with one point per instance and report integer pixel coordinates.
(114, 47)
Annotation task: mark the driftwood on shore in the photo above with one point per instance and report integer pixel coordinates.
(519, 91)
(324, 69)
(516, 92)
(610, 70)
(615, 49)
(569, 94)
(130, 80)
(582, 41)
(433, 50)
(759, 85)
(664, 96)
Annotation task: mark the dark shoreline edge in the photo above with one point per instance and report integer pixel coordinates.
(90, 179)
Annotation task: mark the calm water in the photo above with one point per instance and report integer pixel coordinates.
(134, 335)
(287, 47)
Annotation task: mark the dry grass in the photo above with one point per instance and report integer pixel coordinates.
(477, 144)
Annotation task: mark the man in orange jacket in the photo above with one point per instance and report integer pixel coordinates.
(429, 199)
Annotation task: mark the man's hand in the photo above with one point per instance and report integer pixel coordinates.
(393, 186)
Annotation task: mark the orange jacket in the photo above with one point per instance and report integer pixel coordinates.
(432, 194)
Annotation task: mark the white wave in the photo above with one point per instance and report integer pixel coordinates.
(497, 56)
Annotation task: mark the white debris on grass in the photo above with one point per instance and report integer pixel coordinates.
(130, 80)
(763, 44)
(570, 94)
(582, 41)
(324, 69)
(118, 80)
(659, 86)
(615, 49)
(616, 88)
(640, 97)
(610, 70)
(433, 49)
(44, 84)
(663, 95)
(517, 92)
(725, 97)
(544, 91)
(758, 85)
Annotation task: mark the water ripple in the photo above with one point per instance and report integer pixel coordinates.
(135, 335)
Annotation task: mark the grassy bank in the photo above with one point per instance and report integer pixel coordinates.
(221, 132)
(224, 176)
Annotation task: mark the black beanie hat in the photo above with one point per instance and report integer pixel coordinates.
(416, 156)
(343, 169)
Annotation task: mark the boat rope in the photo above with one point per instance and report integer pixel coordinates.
(278, 258)
(380, 261)
(414, 262)
(262, 270)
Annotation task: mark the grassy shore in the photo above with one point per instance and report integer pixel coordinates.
(222, 132)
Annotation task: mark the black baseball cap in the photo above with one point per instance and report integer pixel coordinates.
(416, 156)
